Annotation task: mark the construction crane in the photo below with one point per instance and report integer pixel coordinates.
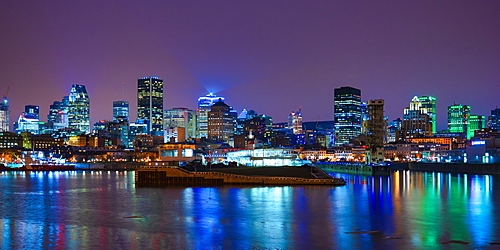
(5, 95)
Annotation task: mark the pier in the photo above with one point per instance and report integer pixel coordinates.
(175, 176)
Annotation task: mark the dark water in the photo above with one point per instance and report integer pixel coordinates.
(104, 210)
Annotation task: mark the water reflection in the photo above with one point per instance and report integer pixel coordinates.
(103, 209)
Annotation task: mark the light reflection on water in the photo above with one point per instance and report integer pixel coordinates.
(103, 209)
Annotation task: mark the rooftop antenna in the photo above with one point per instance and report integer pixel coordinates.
(123, 91)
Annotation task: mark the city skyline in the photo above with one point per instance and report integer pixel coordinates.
(254, 54)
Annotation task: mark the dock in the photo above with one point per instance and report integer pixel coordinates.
(175, 176)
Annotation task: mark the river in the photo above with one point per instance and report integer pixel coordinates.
(104, 210)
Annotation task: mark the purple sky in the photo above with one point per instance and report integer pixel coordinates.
(270, 56)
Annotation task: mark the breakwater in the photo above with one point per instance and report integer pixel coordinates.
(174, 176)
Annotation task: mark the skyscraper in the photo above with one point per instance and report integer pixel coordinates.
(428, 105)
(79, 109)
(150, 103)
(417, 118)
(204, 104)
(458, 118)
(347, 114)
(494, 119)
(376, 125)
(58, 114)
(476, 122)
(120, 109)
(295, 122)
(221, 122)
(4, 114)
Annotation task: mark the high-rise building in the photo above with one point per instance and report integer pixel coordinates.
(180, 118)
(347, 114)
(458, 118)
(4, 114)
(393, 129)
(376, 125)
(58, 114)
(494, 119)
(417, 118)
(204, 104)
(428, 106)
(28, 121)
(32, 111)
(79, 109)
(120, 109)
(476, 122)
(221, 122)
(295, 122)
(150, 103)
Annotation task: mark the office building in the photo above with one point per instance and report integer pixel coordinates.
(428, 106)
(295, 122)
(347, 114)
(458, 119)
(79, 109)
(120, 109)
(204, 104)
(150, 103)
(4, 114)
(180, 118)
(417, 118)
(476, 122)
(32, 111)
(221, 122)
(494, 119)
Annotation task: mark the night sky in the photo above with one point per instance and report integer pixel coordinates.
(270, 56)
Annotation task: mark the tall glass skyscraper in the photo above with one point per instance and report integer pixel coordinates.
(4, 114)
(458, 118)
(348, 115)
(150, 103)
(428, 105)
(79, 109)
(58, 114)
(295, 122)
(120, 109)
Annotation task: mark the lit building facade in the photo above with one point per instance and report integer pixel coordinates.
(393, 128)
(476, 122)
(204, 104)
(458, 119)
(221, 122)
(181, 118)
(494, 119)
(428, 106)
(4, 114)
(150, 103)
(58, 114)
(29, 120)
(295, 122)
(120, 109)
(347, 114)
(418, 118)
(79, 109)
